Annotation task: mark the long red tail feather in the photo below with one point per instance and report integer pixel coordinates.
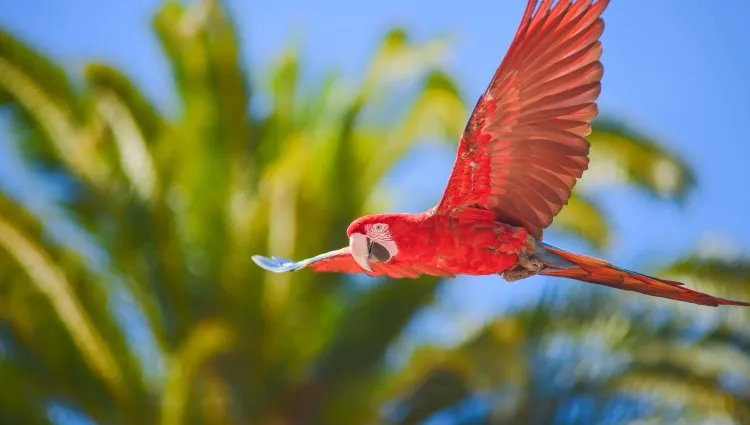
(600, 272)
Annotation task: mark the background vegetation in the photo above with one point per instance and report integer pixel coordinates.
(140, 305)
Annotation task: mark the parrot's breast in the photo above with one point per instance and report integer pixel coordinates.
(477, 248)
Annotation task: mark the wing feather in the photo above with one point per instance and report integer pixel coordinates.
(523, 149)
(341, 261)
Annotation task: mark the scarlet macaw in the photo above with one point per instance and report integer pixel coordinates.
(519, 157)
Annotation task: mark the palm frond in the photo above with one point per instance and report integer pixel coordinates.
(51, 281)
(41, 90)
(621, 154)
(583, 218)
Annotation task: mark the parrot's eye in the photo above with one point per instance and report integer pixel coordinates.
(380, 245)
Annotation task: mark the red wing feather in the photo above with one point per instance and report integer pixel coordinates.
(341, 261)
(523, 148)
(344, 263)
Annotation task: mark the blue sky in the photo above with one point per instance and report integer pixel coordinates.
(675, 69)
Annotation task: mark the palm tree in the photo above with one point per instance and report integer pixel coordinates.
(136, 302)
(593, 357)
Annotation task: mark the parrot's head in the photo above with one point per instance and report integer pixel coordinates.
(371, 239)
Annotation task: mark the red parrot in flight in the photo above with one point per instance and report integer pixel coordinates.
(519, 157)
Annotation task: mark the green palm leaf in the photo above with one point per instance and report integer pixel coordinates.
(177, 204)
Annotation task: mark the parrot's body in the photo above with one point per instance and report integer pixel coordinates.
(520, 156)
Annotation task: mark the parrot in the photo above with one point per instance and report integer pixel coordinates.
(519, 157)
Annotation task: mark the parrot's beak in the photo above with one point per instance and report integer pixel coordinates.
(360, 248)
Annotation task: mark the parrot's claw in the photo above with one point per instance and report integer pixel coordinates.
(525, 267)
(516, 273)
(530, 263)
(277, 264)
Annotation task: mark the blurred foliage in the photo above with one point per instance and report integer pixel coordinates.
(166, 321)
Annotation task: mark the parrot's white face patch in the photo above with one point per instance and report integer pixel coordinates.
(380, 234)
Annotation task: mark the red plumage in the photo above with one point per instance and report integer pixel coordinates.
(524, 148)
(521, 154)
(594, 270)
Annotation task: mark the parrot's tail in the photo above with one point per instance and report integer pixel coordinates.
(600, 272)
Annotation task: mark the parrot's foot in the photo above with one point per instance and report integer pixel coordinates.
(525, 267)
(516, 273)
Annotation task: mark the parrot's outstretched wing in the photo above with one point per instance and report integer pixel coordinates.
(341, 261)
(523, 148)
